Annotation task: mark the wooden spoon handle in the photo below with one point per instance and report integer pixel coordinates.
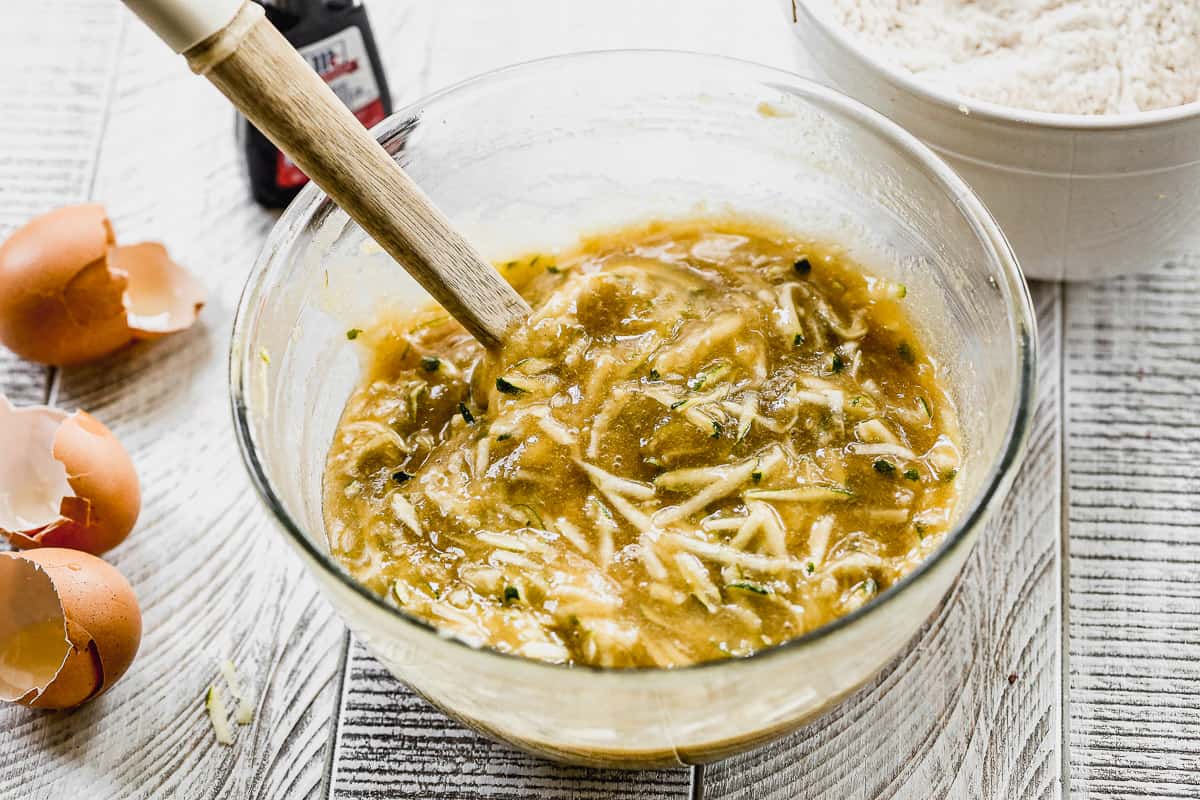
(253, 65)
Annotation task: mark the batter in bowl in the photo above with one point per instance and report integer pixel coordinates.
(710, 437)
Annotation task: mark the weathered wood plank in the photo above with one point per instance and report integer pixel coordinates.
(1133, 432)
(972, 708)
(391, 743)
(206, 552)
(213, 577)
(470, 37)
(22, 382)
(57, 64)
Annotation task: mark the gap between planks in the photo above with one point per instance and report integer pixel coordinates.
(1064, 482)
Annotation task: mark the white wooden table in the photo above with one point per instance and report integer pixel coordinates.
(1068, 655)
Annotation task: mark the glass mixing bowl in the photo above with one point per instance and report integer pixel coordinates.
(533, 156)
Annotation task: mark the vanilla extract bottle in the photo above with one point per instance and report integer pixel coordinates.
(334, 37)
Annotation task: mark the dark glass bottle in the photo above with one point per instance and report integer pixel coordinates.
(335, 38)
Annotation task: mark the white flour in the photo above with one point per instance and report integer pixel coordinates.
(1066, 56)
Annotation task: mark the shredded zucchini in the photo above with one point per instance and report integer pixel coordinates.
(218, 716)
(698, 443)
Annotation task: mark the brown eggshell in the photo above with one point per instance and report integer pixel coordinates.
(32, 482)
(107, 497)
(103, 626)
(161, 297)
(33, 630)
(80, 678)
(60, 303)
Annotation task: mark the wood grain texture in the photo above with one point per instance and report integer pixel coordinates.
(971, 709)
(213, 578)
(1133, 428)
(391, 743)
(263, 75)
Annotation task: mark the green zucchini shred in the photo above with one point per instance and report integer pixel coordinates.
(748, 586)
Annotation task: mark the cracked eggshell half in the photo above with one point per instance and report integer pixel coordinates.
(59, 301)
(66, 297)
(65, 481)
(162, 297)
(70, 627)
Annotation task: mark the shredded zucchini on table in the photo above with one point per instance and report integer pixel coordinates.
(710, 437)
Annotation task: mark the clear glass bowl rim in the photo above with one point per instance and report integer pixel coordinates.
(987, 110)
(311, 206)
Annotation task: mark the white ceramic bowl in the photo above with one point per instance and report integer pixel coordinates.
(1079, 197)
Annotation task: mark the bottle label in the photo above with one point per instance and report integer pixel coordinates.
(342, 61)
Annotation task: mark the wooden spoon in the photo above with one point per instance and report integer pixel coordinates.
(232, 44)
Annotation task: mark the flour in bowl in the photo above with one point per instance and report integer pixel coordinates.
(1064, 56)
